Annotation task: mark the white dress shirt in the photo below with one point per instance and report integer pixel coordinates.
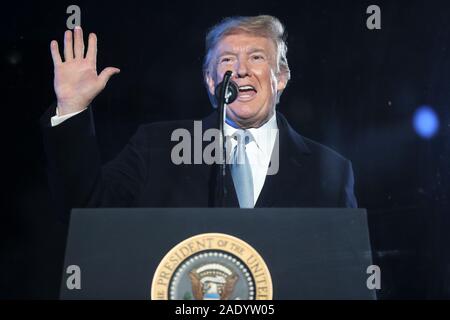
(259, 151)
(57, 119)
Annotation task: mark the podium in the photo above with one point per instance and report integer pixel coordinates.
(305, 253)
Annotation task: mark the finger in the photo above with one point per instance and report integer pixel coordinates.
(79, 43)
(68, 46)
(92, 49)
(55, 53)
(107, 73)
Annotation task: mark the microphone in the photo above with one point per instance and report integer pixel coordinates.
(232, 89)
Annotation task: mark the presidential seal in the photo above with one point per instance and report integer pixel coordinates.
(212, 266)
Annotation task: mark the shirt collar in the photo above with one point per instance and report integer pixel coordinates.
(264, 136)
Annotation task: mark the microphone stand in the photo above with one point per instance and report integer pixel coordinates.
(223, 98)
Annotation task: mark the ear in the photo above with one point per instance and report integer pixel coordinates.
(282, 81)
(211, 83)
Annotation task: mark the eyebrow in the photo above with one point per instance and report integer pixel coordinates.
(250, 51)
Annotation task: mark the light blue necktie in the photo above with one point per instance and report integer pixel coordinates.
(241, 170)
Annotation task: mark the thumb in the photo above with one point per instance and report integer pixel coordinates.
(107, 73)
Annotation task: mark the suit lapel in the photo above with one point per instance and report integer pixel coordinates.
(211, 171)
(292, 151)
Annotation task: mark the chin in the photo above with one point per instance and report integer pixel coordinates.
(243, 112)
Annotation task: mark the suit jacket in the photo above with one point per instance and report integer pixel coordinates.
(143, 175)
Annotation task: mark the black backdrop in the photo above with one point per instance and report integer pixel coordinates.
(352, 89)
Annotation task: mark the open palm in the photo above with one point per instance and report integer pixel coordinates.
(76, 80)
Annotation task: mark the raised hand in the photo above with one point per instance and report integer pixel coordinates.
(76, 80)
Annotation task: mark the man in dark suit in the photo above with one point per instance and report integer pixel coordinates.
(145, 173)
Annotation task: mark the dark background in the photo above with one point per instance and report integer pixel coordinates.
(352, 89)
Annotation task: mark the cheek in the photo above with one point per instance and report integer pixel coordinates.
(268, 79)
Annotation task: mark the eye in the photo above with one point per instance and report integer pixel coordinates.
(226, 60)
(258, 57)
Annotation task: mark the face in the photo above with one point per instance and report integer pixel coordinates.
(253, 62)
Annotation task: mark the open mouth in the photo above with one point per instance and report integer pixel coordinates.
(246, 92)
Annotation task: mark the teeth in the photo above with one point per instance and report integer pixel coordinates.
(246, 88)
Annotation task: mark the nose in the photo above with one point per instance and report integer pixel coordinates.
(242, 69)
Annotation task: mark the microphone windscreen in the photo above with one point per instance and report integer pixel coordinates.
(231, 94)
